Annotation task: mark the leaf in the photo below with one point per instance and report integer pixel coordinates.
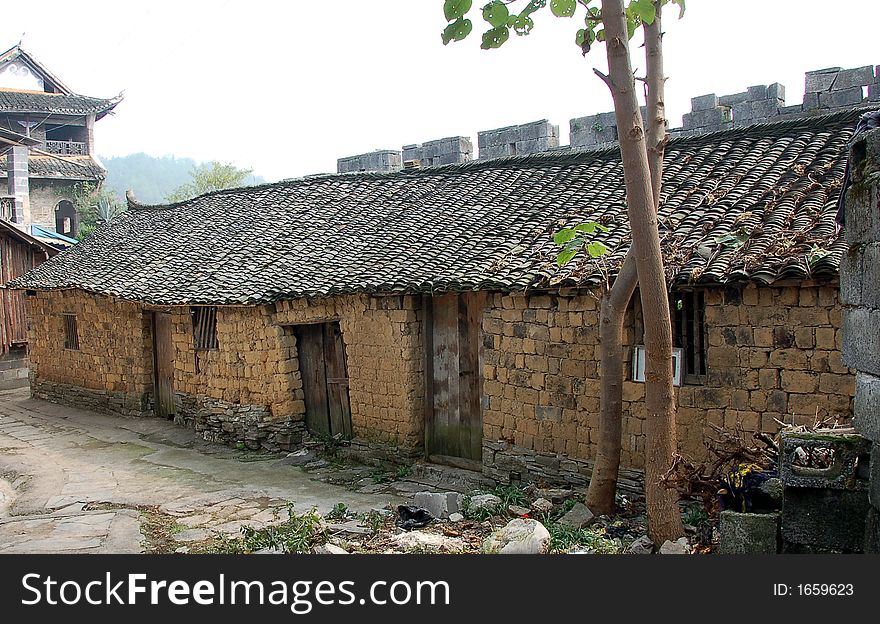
(644, 10)
(590, 227)
(581, 37)
(565, 257)
(680, 4)
(523, 24)
(496, 13)
(563, 8)
(563, 236)
(596, 249)
(454, 9)
(457, 30)
(495, 38)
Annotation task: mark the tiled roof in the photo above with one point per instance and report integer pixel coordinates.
(480, 225)
(60, 167)
(48, 103)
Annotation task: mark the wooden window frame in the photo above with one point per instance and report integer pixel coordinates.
(71, 331)
(204, 322)
(689, 333)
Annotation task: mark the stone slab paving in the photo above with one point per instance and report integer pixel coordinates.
(74, 481)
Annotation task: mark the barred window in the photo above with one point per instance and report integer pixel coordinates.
(689, 332)
(71, 332)
(204, 328)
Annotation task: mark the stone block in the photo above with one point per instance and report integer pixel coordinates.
(839, 99)
(843, 473)
(816, 520)
(811, 101)
(866, 406)
(754, 112)
(757, 92)
(820, 80)
(748, 533)
(438, 504)
(861, 339)
(706, 119)
(852, 78)
(704, 102)
(776, 91)
(863, 210)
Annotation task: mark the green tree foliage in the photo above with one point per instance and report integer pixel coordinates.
(95, 206)
(501, 19)
(213, 176)
(152, 178)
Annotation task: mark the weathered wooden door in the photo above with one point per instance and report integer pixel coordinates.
(454, 427)
(163, 365)
(325, 379)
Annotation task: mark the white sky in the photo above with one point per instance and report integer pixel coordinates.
(285, 88)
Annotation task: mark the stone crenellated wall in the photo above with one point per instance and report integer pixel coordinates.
(773, 355)
(112, 370)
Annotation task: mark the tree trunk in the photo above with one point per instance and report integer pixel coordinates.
(664, 519)
(614, 303)
(612, 313)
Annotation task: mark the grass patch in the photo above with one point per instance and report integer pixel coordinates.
(564, 538)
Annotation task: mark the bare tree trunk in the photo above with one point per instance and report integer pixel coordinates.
(664, 519)
(612, 313)
(614, 303)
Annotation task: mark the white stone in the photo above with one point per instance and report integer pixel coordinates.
(456, 517)
(427, 541)
(483, 501)
(521, 536)
(329, 549)
(438, 504)
(679, 547)
(542, 505)
(642, 546)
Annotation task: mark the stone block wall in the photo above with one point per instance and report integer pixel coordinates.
(860, 294)
(529, 138)
(14, 368)
(111, 371)
(379, 160)
(773, 354)
(439, 152)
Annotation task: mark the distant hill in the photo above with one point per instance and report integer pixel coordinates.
(151, 178)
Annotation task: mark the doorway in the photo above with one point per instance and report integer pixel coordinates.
(324, 375)
(454, 427)
(163, 364)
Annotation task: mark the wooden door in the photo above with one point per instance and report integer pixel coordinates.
(454, 427)
(325, 379)
(163, 365)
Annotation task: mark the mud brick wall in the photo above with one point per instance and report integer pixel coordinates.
(773, 354)
(111, 371)
(250, 389)
(384, 354)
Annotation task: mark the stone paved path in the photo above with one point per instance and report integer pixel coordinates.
(76, 481)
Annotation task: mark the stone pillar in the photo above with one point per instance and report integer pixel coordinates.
(19, 188)
(860, 296)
